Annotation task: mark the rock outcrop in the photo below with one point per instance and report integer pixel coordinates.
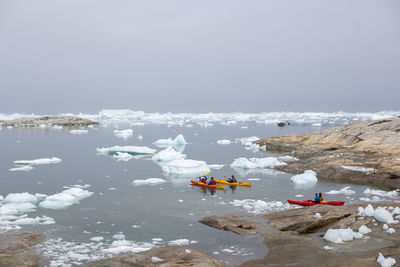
(230, 223)
(367, 152)
(163, 256)
(71, 121)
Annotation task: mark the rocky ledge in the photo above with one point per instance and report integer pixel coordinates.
(294, 237)
(367, 152)
(48, 121)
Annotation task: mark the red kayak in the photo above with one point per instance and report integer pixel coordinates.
(312, 203)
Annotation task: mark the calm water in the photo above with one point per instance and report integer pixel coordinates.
(168, 211)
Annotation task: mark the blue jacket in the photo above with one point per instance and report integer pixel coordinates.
(317, 199)
(211, 182)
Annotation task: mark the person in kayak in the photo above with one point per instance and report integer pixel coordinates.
(316, 198)
(321, 198)
(212, 181)
(204, 179)
(232, 179)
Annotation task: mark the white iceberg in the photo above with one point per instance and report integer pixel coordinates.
(65, 199)
(345, 190)
(256, 163)
(42, 161)
(25, 168)
(224, 142)
(149, 181)
(21, 198)
(306, 180)
(177, 142)
(168, 154)
(186, 166)
(78, 132)
(126, 149)
(124, 134)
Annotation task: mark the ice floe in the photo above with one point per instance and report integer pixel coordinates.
(345, 191)
(260, 206)
(25, 168)
(149, 181)
(78, 132)
(124, 134)
(385, 262)
(177, 142)
(305, 180)
(167, 155)
(123, 156)
(179, 242)
(256, 163)
(65, 199)
(359, 169)
(26, 165)
(186, 166)
(143, 150)
(224, 142)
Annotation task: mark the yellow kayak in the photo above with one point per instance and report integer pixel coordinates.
(228, 183)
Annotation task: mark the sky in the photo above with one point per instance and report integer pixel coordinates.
(199, 56)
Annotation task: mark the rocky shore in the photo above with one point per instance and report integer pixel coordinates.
(67, 121)
(367, 152)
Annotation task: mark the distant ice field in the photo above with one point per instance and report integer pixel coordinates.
(133, 202)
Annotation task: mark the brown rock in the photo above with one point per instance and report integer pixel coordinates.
(22, 241)
(19, 260)
(230, 223)
(170, 256)
(49, 120)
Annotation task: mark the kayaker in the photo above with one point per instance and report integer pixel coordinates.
(316, 198)
(232, 179)
(204, 179)
(212, 181)
(321, 198)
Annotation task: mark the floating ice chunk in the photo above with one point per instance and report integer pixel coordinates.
(123, 156)
(390, 231)
(16, 208)
(216, 166)
(178, 141)
(247, 141)
(37, 220)
(253, 179)
(124, 134)
(382, 215)
(79, 132)
(260, 206)
(306, 180)
(391, 194)
(58, 127)
(127, 149)
(186, 166)
(317, 215)
(20, 198)
(140, 137)
(168, 154)
(364, 230)
(97, 238)
(341, 235)
(38, 161)
(125, 246)
(119, 236)
(179, 242)
(224, 142)
(155, 259)
(25, 168)
(149, 181)
(255, 163)
(227, 250)
(385, 262)
(345, 190)
(65, 199)
(359, 169)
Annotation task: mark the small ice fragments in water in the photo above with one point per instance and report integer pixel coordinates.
(78, 132)
(124, 134)
(179, 242)
(306, 180)
(390, 231)
(168, 154)
(144, 150)
(224, 142)
(216, 166)
(178, 141)
(149, 181)
(380, 214)
(345, 190)
(65, 199)
(385, 262)
(391, 194)
(260, 206)
(256, 163)
(97, 238)
(186, 166)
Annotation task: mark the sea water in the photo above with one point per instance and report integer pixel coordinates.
(121, 217)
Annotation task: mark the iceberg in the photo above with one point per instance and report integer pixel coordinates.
(143, 150)
(186, 167)
(168, 154)
(223, 142)
(306, 180)
(149, 181)
(38, 161)
(65, 199)
(256, 163)
(25, 168)
(179, 141)
(124, 134)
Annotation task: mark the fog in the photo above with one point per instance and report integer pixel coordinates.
(199, 56)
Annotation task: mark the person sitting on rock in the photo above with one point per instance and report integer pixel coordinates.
(212, 181)
(316, 198)
(321, 198)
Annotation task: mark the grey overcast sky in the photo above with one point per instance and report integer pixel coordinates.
(199, 56)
